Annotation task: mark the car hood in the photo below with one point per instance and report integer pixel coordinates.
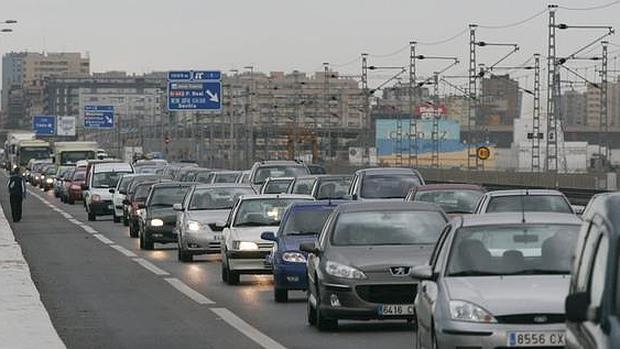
(208, 216)
(292, 242)
(104, 193)
(167, 214)
(250, 233)
(378, 258)
(506, 295)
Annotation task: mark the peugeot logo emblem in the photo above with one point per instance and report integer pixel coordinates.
(400, 271)
(540, 319)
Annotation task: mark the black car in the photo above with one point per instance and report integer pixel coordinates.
(159, 220)
(593, 302)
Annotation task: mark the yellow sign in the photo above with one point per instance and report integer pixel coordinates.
(483, 153)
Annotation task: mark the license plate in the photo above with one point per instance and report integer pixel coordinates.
(396, 309)
(535, 339)
(217, 237)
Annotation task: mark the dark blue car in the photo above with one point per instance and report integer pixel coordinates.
(302, 222)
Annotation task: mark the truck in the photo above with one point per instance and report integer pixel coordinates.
(10, 145)
(35, 149)
(69, 153)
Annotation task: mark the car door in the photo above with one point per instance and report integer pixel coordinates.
(427, 289)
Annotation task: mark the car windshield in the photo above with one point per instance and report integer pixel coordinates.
(277, 187)
(387, 228)
(265, 172)
(107, 179)
(303, 186)
(228, 177)
(141, 193)
(204, 177)
(388, 186)
(50, 170)
(124, 183)
(451, 201)
(333, 188)
(139, 180)
(513, 250)
(306, 221)
(216, 198)
(529, 203)
(72, 157)
(28, 153)
(79, 176)
(261, 212)
(167, 196)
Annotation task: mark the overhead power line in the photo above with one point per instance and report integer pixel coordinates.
(591, 8)
(515, 24)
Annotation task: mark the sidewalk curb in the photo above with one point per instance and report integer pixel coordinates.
(24, 322)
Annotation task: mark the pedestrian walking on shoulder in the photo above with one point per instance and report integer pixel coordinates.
(17, 193)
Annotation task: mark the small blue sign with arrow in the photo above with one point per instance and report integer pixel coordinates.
(195, 90)
(44, 125)
(99, 117)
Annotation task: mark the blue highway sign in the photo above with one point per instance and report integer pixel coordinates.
(195, 90)
(99, 116)
(44, 125)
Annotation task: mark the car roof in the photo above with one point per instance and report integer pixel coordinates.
(112, 167)
(275, 196)
(522, 192)
(280, 179)
(319, 203)
(447, 186)
(173, 184)
(517, 218)
(608, 205)
(280, 162)
(380, 205)
(386, 170)
(223, 185)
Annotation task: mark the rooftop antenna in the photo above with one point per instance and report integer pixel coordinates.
(523, 207)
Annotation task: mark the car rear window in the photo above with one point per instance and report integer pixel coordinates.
(388, 186)
(529, 203)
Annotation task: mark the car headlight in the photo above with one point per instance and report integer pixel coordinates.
(193, 226)
(465, 311)
(245, 246)
(140, 211)
(293, 257)
(96, 197)
(42, 177)
(343, 271)
(49, 180)
(157, 222)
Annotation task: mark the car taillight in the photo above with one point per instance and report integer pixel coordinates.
(75, 187)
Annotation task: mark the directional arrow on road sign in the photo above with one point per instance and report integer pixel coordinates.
(213, 97)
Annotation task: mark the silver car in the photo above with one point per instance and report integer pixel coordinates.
(497, 281)
(201, 217)
(359, 270)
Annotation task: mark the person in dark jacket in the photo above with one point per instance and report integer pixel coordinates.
(17, 193)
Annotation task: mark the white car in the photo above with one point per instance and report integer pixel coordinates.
(243, 250)
(103, 177)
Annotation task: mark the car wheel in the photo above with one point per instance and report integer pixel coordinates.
(148, 244)
(125, 221)
(224, 272)
(91, 215)
(280, 295)
(311, 312)
(133, 232)
(324, 323)
(116, 218)
(185, 256)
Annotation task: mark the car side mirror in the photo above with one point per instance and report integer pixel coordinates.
(111, 191)
(84, 187)
(422, 272)
(309, 247)
(268, 235)
(141, 206)
(177, 207)
(354, 197)
(577, 306)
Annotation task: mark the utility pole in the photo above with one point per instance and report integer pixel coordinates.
(250, 117)
(367, 122)
(536, 116)
(472, 117)
(231, 114)
(413, 124)
(603, 135)
(551, 151)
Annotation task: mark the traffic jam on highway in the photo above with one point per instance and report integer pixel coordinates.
(467, 267)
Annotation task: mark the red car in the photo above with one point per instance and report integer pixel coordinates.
(73, 186)
(454, 199)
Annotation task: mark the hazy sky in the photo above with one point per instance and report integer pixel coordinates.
(145, 35)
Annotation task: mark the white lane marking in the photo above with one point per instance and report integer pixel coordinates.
(89, 229)
(75, 221)
(188, 291)
(103, 239)
(247, 329)
(124, 251)
(150, 267)
(66, 215)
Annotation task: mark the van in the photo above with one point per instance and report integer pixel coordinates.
(100, 178)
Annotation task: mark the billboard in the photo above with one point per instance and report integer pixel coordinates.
(66, 126)
(387, 136)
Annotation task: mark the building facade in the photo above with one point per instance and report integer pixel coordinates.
(500, 102)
